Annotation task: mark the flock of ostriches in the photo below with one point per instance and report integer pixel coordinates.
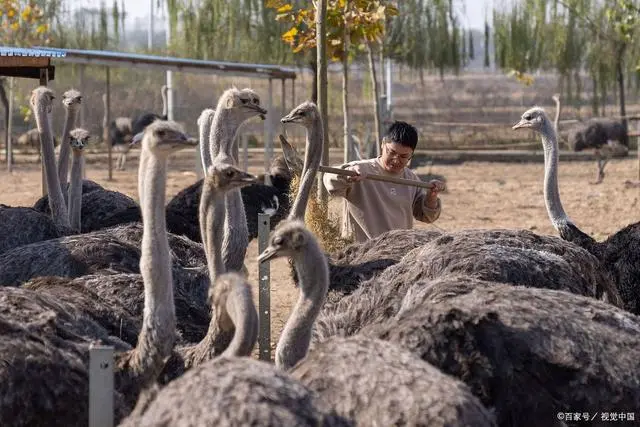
(490, 327)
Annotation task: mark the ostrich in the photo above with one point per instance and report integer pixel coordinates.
(515, 257)
(49, 374)
(71, 100)
(606, 136)
(145, 119)
(78, 139)
(619, 255)
(233, 109)
(21, 225)
(527, 353)
(233, 389)
(347, 373)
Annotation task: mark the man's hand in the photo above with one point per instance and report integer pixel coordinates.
(431, 201)
(356, 178)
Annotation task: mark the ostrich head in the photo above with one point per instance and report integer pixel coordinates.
(224, 176)
(71, 98)
(305, 114)
(534, 119)
(164, 137)
(42, 96)
(79, 138)
(246, 101)
(287, 240)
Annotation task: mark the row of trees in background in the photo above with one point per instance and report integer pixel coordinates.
(596, 38)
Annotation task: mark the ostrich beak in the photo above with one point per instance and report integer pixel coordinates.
(288, 118)
(137, 138)
(268, 254)
(247, 177)
(521, 124)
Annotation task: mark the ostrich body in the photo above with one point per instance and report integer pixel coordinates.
(619, 255)
(48, 376)
(71, 99)
(515, 257)
(78, 139)
(528, 353)
(605, 136)
(234, 108)
(373, 382)
(141, 122)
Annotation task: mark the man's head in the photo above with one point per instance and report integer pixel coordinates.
(397, 146)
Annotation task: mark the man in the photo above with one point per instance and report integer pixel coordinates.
(374, 207)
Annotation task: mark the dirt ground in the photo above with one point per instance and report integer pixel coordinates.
(479, 195)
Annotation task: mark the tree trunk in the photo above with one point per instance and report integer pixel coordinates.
(313, 64)
(377, 116)
(321, 42)
(620, 78)
(348, 153)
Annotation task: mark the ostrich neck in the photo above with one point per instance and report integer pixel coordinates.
(556, 120)
(58, 206)
(311, 267)
(223, 132)
(243, 315)
(212, 216)
(165, 104)
(313, 154)
(141, 177)
(157, 334)
(65, 148)
(205, 149)
(75, 190)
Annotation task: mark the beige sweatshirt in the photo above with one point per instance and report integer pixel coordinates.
(374, 207)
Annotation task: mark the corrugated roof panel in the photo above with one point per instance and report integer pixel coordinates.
(21, 51)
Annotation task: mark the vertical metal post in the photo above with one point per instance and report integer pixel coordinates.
(44, 80)
(264, 291)
(101, 386)
(83, 105)
(9, 127)
(268, 152)
(169, 72)
(106, 129)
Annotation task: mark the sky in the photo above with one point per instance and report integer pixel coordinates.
(473, 18)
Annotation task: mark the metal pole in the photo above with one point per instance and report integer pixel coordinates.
(169, 72)
(9, 127)
(106, 127)
(150, 33)
(264, 296)
(101, 386)
(83, 105)
(44, 80)
(389, 100)
(268, 152)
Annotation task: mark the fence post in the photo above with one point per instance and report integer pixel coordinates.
(101, 386)
(264, 297)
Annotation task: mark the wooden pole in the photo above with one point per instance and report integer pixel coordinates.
(323, 106)
(9, 126)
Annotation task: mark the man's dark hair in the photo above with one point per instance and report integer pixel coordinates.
(402, 133)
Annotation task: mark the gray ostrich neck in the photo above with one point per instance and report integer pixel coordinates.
(165, 102)
(65, 148)
(157, 334)
(243, 315)
(224, 127)
(205, 149)
(75, 190)
(313, 154)
(212, 216)
(58, 206)
(314, 283)
(559, 219)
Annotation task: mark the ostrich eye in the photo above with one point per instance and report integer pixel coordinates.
(527, 117)
(229, 173)
(244, 100)
(277, 240)
(256, 101)
(161, 133)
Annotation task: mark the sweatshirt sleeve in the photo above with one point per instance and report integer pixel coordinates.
(420, 210)
(337, 185)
